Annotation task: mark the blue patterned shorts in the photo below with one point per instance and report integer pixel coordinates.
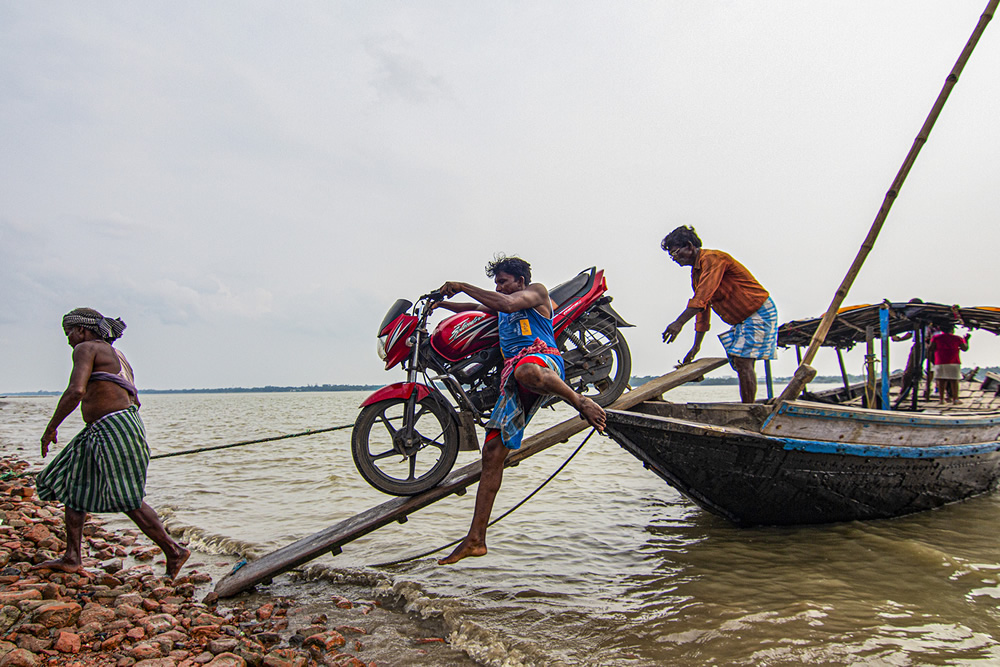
(756, 337)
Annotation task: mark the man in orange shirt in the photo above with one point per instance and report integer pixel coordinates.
(724, 285)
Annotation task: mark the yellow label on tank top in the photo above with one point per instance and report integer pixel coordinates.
(525, 328)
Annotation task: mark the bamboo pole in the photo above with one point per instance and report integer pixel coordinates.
(918, 362)
(802, 375)
(883, 321)
(843, 374)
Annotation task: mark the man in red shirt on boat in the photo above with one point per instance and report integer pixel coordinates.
(944, 350)
(724, 285)
(532, 370)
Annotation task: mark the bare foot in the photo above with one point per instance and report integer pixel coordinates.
(464, 550)
(60, 565)
(175, 563)
(593, 413)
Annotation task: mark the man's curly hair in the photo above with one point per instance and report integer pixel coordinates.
(514, 266)
(679, 238)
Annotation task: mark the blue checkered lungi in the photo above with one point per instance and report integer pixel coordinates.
(509, 415)
(756, 337)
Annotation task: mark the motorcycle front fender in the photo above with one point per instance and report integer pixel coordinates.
(401, 390)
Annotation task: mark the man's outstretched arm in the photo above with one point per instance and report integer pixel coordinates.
(461, 307)
(83, 365)
(530, 297)
(674, 328)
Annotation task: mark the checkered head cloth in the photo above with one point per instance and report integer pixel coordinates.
(107, 328)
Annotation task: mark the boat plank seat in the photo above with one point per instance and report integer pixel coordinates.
(804, 420)
(991, 383)
(739, 415)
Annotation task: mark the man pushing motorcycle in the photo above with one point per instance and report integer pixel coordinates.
(533, 369)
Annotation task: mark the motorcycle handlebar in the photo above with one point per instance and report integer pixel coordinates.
(436, 295)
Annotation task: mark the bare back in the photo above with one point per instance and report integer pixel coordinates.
(99, 398)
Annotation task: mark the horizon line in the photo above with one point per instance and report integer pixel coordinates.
(724, 379)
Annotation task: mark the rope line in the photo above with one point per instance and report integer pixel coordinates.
(252, 442)
(499, 518)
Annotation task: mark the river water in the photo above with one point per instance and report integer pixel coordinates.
(607, 565)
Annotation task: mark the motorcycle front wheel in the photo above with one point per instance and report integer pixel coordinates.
(597, 359)
(401, 462)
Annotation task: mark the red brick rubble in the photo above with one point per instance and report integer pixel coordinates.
(133, 616)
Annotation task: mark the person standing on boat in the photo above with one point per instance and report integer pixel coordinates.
(944, 350)
(103, 468)
(724, 285)
(532, 370)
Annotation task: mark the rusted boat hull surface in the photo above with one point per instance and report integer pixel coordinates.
(754, 479)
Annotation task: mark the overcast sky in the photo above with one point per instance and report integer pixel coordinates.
(250, 185)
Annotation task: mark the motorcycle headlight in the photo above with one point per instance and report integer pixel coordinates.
(380, 347)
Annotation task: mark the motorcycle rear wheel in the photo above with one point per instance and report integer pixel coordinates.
(388, 462)
(582, 341)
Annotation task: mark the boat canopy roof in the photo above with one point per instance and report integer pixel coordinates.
(850, 325)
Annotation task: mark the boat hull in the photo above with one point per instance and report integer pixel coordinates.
(754, 479)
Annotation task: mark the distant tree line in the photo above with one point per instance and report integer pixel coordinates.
(635, 381)
(269, 389)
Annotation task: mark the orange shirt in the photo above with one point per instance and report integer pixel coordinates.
(725, 285)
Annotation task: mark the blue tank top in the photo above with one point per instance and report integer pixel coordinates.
(519, 329)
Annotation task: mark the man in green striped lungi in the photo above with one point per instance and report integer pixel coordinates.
(103, 469)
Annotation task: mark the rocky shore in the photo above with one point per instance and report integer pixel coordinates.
(127, 614)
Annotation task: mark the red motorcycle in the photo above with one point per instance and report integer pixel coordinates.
(408, 434)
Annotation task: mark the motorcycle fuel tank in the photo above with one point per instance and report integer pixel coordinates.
(465, 333)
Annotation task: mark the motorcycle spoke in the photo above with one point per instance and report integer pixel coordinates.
(600, 349)
(413, 468)
(432, 441)
(386, 422)
(379, 457)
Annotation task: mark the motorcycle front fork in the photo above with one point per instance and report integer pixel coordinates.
(466, 415)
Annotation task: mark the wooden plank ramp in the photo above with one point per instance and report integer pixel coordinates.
(330, 540)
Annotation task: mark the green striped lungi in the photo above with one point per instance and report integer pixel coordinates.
(103, 469)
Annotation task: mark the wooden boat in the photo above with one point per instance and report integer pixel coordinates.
(829, 458)
(815, 461)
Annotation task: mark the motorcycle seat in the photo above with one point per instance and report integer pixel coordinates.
(566, 293)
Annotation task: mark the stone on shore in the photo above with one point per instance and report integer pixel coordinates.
(123, 614)
(68, 642)
(227, 660)
(20, 657)
(57, 614)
